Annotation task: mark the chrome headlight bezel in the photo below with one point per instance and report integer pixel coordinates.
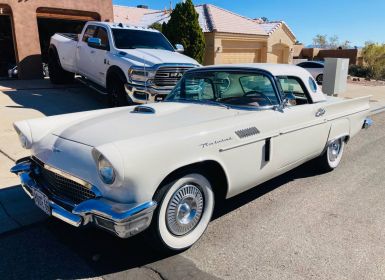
(106, 171)
(141, 74)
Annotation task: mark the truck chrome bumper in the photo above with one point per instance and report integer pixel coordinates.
(124, 220)
(368, 122)
(141, 94)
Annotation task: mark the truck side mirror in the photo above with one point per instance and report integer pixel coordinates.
(179, 48)
(94, 43)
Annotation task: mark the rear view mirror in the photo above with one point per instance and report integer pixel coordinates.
(179, 48)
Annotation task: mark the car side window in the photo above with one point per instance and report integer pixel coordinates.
(102, 34)
(295, 86)
(89, 33)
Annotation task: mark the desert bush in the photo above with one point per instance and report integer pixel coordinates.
(374, 57)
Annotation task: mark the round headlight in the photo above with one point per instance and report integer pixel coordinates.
(106, 171)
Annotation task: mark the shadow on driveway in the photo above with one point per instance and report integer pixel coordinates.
(52, 249)
(55, 101)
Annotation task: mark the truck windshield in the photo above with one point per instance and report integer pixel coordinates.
(140, 39)
(238, 88)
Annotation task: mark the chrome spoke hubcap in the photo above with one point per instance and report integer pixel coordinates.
(184, 210)
(334, 149)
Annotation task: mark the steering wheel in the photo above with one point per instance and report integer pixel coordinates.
(261, 94)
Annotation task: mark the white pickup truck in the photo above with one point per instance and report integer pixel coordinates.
(130, 64)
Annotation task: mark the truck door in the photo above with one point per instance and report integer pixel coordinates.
(92, 61)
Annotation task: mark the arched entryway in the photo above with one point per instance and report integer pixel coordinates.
(281, 53)
(7, 41)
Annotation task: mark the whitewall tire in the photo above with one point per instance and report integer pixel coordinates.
(185, 207)
(333, 155)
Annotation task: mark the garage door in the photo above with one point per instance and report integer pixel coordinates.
(240, 52)
(231, 56)
(7, 51)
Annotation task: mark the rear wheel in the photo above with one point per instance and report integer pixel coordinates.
(57, 74)
(117, 93)
(320, 79)
(184, 210)
(331, 158)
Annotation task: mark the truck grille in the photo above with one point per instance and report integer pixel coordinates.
(169, 76)
(64, 187)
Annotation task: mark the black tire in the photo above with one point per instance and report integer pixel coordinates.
(176, 227)
(332, 156)
(57, 74)
(117, 93)
(320, 79)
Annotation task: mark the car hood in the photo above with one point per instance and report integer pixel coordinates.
(117, 124)
(151, 57)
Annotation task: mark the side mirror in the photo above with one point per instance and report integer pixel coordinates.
(94, 43)
(179, 48)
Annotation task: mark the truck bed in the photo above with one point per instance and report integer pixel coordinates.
(72, 36)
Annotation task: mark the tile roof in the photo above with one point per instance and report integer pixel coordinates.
(211, 18)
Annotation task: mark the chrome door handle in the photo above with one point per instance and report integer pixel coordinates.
(320, 112)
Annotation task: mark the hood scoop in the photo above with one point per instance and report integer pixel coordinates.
(143, 110)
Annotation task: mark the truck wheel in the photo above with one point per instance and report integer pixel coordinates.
(184, 210)
(117, 94)
(331, 158)
(57, 74)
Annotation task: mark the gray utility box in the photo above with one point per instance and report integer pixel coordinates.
(335, 76)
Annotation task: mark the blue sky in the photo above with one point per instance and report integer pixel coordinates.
(353, 20)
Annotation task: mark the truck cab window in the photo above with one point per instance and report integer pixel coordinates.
(89, 33)
(102, 34)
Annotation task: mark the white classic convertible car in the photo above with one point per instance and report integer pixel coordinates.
(221, 131)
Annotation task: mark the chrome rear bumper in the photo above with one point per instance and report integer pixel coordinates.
(368, 122)
(124, 220)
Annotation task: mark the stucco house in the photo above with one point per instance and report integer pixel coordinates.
(230, 38)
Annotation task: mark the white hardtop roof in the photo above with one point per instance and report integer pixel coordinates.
(274, 69)
(119, 25)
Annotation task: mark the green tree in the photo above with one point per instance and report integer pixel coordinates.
(183, 28)
(156, 26)
(374, 57)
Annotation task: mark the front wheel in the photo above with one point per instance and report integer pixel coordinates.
(331, 158)
(184, 210)
(117, 93)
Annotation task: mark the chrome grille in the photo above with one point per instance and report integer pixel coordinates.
(64, 187)
(169, 76)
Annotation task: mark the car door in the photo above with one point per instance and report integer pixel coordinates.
(92, 61)
(303, 129)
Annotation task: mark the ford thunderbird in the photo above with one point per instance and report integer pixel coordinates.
(221, 131)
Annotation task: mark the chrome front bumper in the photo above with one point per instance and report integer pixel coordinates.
(142, 94)
(124, 220)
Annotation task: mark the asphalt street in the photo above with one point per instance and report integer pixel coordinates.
(301, 225)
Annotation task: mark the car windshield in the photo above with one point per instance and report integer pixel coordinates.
(140, 39)
(228, 88)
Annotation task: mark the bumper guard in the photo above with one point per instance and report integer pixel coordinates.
(124, 220)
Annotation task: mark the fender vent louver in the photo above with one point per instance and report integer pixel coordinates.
(247, 132)
(143, 110)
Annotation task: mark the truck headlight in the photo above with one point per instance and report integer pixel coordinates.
(140, 74)
(106, 171)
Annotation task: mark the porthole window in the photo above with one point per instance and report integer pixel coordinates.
(312, 84)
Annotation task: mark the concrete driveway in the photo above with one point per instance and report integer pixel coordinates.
(301, 225)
